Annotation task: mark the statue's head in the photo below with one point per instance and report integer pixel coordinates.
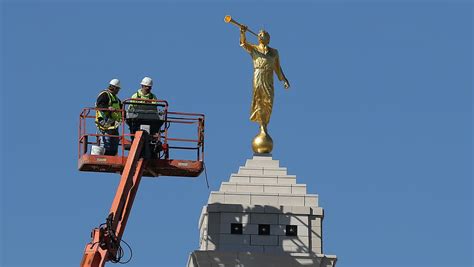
(263, 37)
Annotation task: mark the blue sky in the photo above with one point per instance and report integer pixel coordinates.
(378, 121)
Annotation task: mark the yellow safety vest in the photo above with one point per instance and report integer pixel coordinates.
(116, 116)
(139, 95)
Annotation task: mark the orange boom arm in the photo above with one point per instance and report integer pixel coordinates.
(105, 244)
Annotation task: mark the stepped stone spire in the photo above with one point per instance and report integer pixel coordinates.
(261, 217)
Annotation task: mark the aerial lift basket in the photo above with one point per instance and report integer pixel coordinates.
(161, 123)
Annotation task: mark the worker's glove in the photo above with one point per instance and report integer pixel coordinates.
(107, 122)
(161, 114)
(102, 123)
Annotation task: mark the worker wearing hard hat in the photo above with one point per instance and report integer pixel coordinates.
(143, 93)
(109, 116)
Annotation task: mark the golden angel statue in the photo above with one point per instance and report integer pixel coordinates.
(266, 61)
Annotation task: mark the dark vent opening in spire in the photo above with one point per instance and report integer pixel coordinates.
(291, 230)
(264, 229)
(236, 228)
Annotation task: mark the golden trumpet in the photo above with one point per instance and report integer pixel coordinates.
(229, 19)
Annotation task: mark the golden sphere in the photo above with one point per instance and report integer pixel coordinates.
(262, 143)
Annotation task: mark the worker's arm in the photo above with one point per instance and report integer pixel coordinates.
(103, 102)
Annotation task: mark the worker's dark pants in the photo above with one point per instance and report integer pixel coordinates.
(110, 143)
(134, 127)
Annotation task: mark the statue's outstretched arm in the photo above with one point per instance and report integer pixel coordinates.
(243, 40)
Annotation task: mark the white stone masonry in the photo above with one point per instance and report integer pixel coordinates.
(262, 195)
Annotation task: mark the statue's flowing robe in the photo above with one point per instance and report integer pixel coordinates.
(264, 64)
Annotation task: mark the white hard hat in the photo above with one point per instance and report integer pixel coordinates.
(147, 81)
(115, 82)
